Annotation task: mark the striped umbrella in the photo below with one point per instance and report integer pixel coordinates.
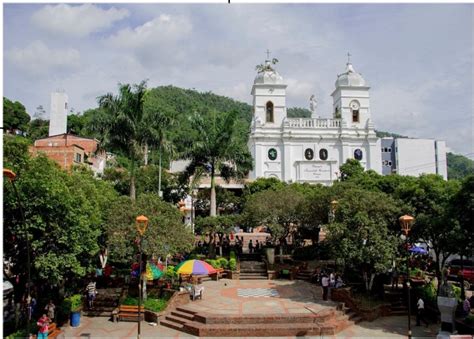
(195, 267)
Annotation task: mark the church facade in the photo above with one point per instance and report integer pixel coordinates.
(311, 149)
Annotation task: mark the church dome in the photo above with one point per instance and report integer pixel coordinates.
(268, 75)
(350, 78)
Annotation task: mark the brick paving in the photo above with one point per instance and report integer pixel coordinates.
(221, 297)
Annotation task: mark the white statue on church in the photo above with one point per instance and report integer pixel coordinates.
(313, 105)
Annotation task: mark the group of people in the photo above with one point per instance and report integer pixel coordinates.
(45, 320)
(254, 248)
(328, 280)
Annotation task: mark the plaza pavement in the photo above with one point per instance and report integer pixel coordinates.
(231, 297)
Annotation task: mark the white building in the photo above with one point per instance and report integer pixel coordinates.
(312, 149)
(58, 113)
(414, 156)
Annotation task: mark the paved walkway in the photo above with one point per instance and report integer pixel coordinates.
(237, 297)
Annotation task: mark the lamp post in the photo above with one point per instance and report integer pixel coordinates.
(141, 224)
(11, 177)
(406, 222)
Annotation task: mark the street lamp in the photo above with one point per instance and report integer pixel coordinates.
(406, 221)
(11, 177)
(141, 224)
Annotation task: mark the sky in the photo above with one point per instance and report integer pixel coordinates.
(417, 58)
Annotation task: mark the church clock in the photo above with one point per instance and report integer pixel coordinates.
(309, 154)
(272, 154)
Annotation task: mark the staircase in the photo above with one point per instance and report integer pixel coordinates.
(397, 302)
(327, 322)
(252, 267)
(352, 316)
(107, 299)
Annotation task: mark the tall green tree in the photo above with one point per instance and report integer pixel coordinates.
(64, 215)
(166, 233)
(15, 116)
(362, 232)
(125, 126)
(218, 148)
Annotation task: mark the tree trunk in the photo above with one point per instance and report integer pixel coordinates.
(145, 154)
(133, 194)
(212, 246)
(213, 193)
(438, 272)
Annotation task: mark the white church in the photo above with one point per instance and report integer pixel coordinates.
(312, 149)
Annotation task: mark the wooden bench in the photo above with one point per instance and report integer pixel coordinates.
(130, 313)
(53, 331)
(219, 274)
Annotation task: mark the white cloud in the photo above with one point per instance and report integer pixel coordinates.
(77, 21)
(165, 28)
(37, 58)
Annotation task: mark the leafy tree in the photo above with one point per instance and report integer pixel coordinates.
(459, 166)
(15, 116)
(463, 211)
(263, 184)
(218, 149)
(278, 210)
(360, 233)
(15, 153)
(350, 169)
(64, 214)
(125, 126)
(40, 113)
(37, 129)
(166, 233)
(227, 201)
(430, 197)
(314, 212)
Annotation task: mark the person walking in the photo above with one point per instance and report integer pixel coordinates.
(250, 246)
(420, 312)
(325, 285)
(50, 310)
(43, 324)
(257, 246)
(91, 293)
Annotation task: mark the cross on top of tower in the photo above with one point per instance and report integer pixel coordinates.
(268, 54)
(349, 57)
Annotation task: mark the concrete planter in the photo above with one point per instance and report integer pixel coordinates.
(447, 308)
(233, 275)
(270, 255)
(153, 317)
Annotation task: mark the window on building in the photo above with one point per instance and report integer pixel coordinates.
(358, 155)
(323, 154)
(355, 115)
(65, 105)
(389, 150)
(78, 157)
(269, 110)
(390, 163)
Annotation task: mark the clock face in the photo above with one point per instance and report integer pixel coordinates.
(323, 154)
(355, 105)
(309, 154)
(272, 154)
(358, 154)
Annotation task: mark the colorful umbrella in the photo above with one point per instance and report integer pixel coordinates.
(196, 267)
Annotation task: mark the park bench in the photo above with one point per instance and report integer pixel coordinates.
(53, 331)
(220, 273)
(128, 313)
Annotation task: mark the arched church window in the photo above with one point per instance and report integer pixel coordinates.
(355, 115)
(309, 154)
(269, 110)
(358, 155)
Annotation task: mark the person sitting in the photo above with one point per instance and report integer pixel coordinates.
(339, 283)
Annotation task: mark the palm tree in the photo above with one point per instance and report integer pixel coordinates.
(125, 126)
(219, 148)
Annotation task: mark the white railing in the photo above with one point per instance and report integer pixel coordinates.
(312, 123)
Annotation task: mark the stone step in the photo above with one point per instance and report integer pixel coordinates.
(255, 318)
(184, 315)
(172, 324)
(254, 330)
(253, 271)
(399, 312)
(253, 278)
(178, 320)
(185, 310)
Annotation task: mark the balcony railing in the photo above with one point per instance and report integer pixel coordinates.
(312, 123)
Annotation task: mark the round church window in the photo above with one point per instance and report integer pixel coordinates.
(309, 154)
(323, 154)
(358, 154)
(272, 154)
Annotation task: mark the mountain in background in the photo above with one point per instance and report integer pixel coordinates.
(181, 103)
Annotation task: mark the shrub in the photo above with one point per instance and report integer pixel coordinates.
(130, 301)
(232, 255)
(469, 319)
(170, 273)
(152, 304)
(224, 263)
(18, 334)
(306, 253)
(233, 264)
(72, 304)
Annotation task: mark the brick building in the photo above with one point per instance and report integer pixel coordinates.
(69, 150)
